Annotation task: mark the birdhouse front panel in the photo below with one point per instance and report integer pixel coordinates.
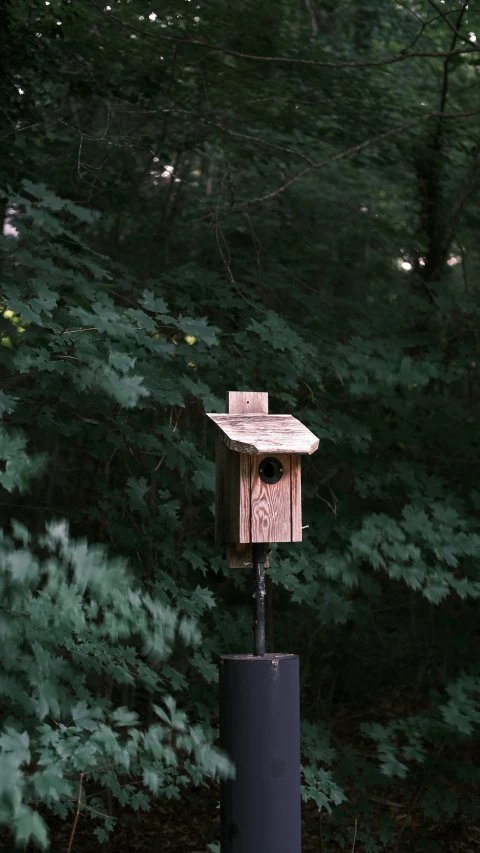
(258, 497)
(272, 497)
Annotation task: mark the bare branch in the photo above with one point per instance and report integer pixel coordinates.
(27, 127)
(79, 806)
(454, 28)
(248, 137)
(76, 331)
(424, 25)
(291, 60)
(467, 189)
(355, 835)
(354, 149)
(101, 814)
(446, 68)
(313, 18)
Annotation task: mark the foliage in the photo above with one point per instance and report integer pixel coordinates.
(75, 629)
(281, 198)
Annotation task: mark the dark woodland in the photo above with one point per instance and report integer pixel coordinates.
(198, 197)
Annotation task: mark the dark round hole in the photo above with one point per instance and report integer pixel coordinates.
(270, 470)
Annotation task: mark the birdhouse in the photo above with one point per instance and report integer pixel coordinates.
(258, 472)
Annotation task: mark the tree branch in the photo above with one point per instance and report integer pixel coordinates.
(354, 149)
(247, 136)
(453, 27)
(77, 813)
(430, 176)
(467, 188)
(443, 98)
(290, 60)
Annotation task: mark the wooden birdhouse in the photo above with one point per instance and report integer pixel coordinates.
(258, 474)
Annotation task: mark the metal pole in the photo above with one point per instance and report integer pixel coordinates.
(259, 558)
(260, 731)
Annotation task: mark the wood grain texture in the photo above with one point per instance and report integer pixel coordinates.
(245, 501)
(256, 434)
(240, 403)
(240, 556)
(232, 495)
(227, 493)
(233, 481)
(271, 519)
(247, 402)
(296, 497)
(248, 510)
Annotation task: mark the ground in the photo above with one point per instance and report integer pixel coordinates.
(190, 825)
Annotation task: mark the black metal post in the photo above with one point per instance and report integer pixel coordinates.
(259, 558)
(260, 730)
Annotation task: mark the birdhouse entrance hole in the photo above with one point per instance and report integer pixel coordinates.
(270, 470)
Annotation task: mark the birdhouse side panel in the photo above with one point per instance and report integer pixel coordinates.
(227, 490)
(271, 519)
(245, 499)
(232, 495)
(296, 497)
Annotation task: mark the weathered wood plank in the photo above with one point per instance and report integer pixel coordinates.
(227, 493)
(247, 402)
(256, 434)
(271, 504)
(239, 549)
(296, 497)
(240, 556)
(245, 500)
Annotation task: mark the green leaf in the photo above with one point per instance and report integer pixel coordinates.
(17, 743)
(125, 718)
(29, 826)
(7, 404)
(85, 717)
(153, 303)
(151, 780)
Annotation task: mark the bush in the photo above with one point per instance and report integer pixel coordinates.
(76, 628)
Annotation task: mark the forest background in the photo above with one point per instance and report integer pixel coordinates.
(200, 197)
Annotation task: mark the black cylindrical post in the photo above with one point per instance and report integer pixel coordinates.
(260, 731)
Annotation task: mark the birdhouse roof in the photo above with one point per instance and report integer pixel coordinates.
(265, 433)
